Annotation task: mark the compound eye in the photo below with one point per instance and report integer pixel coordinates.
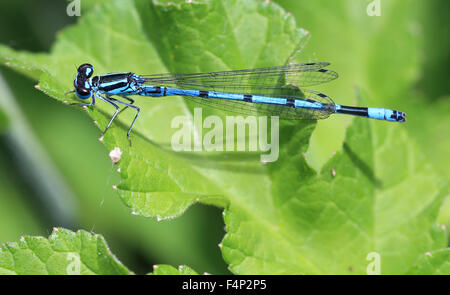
(85, 70)
(83, 93)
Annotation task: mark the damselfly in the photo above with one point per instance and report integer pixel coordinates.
(272, 91)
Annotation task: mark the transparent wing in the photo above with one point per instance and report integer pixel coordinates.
(253, 81)
(280, 81)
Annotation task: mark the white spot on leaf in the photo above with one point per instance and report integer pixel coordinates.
(115, 154)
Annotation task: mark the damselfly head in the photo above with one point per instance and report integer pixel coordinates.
(82, 86)
(85, 71)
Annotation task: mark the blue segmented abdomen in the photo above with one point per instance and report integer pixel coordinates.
(278, 101)
(285, 107)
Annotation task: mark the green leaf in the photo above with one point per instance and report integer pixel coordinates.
(64, 252)
(23, 62)
(433, 263)
(163, 269)
(379, 194)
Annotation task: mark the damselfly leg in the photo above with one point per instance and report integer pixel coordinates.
(131, 102)
(115, 113)
(84, 103)
(138, 111)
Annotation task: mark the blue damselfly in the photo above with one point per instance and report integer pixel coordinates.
(272, 91)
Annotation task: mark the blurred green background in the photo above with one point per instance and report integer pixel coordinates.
(54, 171)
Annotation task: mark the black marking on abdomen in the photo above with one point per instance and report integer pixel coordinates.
(290, 102)
(394, 114)
(248, 97)
(203, 93)
(358, 111)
